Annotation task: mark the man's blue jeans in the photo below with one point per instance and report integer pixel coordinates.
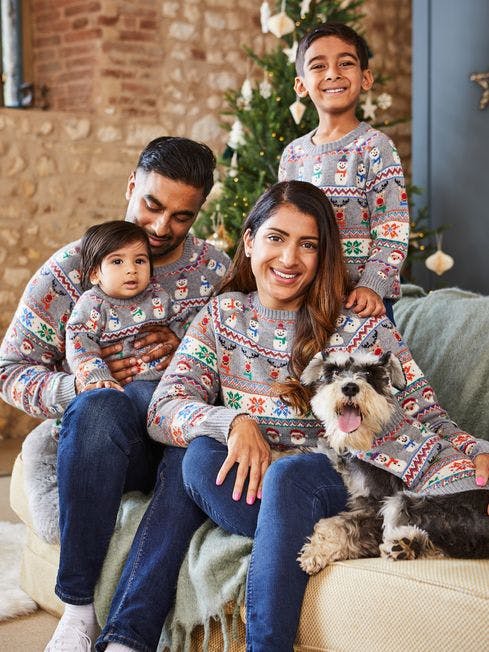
(298, 490)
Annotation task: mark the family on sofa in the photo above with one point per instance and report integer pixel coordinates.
(231, 354)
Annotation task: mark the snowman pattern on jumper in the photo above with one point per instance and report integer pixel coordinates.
(158, 310)
(280, 338)
(361, 175)
(216, 266)
(252, 330)
(341, 170)
(137, 313)
(205, 287)
(114, 321)
(375, 159)
(181, 290)
(317, 172)
(93, 320)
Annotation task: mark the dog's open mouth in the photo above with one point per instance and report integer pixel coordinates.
(349, 417)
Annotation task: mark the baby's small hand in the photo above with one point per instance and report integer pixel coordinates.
(365, 302)
(102, 384)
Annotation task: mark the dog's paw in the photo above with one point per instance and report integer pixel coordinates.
(311, 560)
(401, 549)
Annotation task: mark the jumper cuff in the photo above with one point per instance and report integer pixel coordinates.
(370, 279)
(65, 392)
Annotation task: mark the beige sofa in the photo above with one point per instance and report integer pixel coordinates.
(372, 604)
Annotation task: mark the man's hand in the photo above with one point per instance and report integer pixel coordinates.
(251, 452)
(482, 471)
(165, 344)
(365, 302)
(99, 384)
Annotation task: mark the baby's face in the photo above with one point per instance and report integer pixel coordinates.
(124, 273)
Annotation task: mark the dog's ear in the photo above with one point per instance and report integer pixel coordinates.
(394, 369)
(313, 370)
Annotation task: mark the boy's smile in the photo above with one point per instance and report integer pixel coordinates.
(333, 77)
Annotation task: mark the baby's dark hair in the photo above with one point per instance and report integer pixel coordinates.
(101, 240)
(340, 30)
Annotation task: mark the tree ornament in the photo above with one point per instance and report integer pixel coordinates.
(220, 238)
(369, 107)
(233, 168)
(280, 24)
(291, 53)
(305, 5)
(439, 262)
(482, 78)
(246, 93)
(297, 109)
(384, 101)
(265, 88)
(236, 135)
(264, 16)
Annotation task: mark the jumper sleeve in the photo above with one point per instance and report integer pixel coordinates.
(418, 399)
(282, 169)
(389, 219)
(183, 407)
(83, 332)
(33, 377)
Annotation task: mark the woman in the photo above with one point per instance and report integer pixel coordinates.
(282, 303)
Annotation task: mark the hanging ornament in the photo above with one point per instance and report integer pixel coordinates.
(216, 191)
(384, 101)
(220, 238)
(233, 168)
(297, 109)
(291, 53)
(236, 135)
(264, 16)
(280, 24)
(368, 107)
(305, 4)
(246, 93)
(265, 88)
(439, 262)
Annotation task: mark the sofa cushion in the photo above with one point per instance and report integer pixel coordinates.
(447, 332)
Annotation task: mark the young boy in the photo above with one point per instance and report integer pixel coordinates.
(357, 167)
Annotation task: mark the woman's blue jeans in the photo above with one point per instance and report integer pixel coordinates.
(298, 490)
(104, 451)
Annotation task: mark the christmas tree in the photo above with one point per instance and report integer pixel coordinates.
(265, 114)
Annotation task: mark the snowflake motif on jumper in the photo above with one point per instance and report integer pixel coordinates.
(280, 409)
(181, 290)
(206, 355)
(93, 320)
(216, 266)
(205, 287)
(256, 405)
(114, 321)
(252, 330)
(352, 247)
(375, 159)
(361, 175)
(341, 170)
(280, 338)
(137, 313)
(27, 317)
(317, 172)
(158, 310)
(234, 400)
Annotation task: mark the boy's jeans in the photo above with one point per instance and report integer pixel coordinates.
(298, 490)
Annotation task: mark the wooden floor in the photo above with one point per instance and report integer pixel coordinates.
(27, 633)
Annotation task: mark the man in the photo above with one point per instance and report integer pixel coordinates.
(104, 449)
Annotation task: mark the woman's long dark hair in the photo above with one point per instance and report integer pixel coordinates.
(316, 318)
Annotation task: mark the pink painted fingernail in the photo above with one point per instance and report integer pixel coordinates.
(259, 494)
(236, 495)
(480, 481)
(218, 481)
(250, 500)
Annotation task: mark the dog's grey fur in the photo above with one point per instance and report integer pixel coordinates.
(383, 518)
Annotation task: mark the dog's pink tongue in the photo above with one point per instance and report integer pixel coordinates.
(350, 419)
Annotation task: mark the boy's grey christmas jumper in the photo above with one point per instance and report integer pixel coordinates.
(98, 320)
(34, 375)
(362, 176)
(236, 349)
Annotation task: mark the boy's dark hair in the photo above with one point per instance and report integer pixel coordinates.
(101, 240)
(180, 159)
(340, 30)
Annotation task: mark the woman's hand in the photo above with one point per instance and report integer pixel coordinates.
(482, 471)
(165, 344)
(251, 452)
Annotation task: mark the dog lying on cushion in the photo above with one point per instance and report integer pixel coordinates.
(354, 399)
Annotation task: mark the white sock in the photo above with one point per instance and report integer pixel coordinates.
(118, 647)
(80, 612)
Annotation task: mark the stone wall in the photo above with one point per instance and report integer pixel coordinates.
(120, 73)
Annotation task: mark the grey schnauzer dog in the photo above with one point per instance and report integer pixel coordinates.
(354, 399)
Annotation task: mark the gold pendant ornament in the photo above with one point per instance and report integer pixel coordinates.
(439, 262)
(280, 24)
(297, 109)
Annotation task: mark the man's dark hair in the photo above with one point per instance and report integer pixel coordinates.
(101, 240)
(180, 159)
(341, 31)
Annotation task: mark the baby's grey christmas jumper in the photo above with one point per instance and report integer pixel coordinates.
(362, 176)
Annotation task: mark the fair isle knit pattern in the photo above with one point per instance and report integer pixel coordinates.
(34, 375)
(98, 320)
(362, 176)
(236, 349)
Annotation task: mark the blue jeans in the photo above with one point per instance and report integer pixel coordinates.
(297, 491)
(146, 589)
(389, 309)
(104, 450)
